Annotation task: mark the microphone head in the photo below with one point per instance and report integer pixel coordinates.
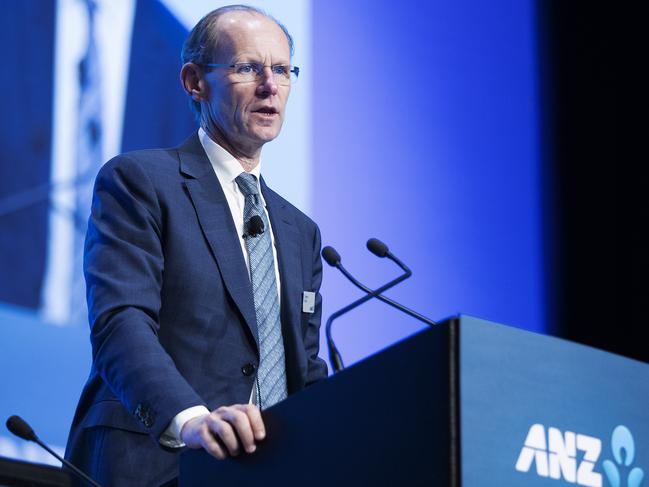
(255, 226)
(19, 427)
(330, 256)
(377, 247)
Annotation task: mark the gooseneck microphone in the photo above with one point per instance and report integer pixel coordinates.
(379, 249)
(254, 226)
(19, 427)
(333, 259)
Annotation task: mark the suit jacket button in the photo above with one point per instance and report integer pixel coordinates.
(248, 369)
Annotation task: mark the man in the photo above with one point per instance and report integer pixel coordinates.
(196, 272)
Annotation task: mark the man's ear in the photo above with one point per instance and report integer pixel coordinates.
(191, 78)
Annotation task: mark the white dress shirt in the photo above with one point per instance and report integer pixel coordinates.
(227, 168)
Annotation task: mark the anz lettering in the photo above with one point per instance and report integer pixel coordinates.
(555, 455)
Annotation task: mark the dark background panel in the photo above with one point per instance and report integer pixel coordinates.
(595, 254)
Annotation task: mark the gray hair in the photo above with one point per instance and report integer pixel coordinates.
(203, 40)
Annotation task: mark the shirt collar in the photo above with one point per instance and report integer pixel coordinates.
(225, 165)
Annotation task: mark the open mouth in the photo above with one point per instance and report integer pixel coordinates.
(266, 111)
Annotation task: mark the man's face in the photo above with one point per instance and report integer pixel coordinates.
(247, 114)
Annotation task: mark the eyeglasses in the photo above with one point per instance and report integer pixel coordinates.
(283, 74)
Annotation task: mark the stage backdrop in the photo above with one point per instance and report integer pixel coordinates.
(414, 122)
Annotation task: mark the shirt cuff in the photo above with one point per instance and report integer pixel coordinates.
(171, 436)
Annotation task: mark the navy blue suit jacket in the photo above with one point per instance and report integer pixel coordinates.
(171, 308)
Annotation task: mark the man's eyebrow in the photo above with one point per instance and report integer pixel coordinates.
(254, 58)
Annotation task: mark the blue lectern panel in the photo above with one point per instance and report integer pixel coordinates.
(539, 411)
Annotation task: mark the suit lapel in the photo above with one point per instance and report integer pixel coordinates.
(288, 249)
(215, 219)
(287, 243)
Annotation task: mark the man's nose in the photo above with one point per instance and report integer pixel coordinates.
(267, 84)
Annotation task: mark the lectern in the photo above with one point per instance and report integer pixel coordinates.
(466, 403)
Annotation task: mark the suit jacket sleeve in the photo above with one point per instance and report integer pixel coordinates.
(124, 266)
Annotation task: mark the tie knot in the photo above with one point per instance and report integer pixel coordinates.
(247, 184)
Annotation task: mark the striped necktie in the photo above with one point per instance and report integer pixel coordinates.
(271, 377)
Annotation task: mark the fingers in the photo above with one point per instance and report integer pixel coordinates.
(246, 422)
(226, 431)
(254, 417)
(209, 443)
(239, 427)
(196, 433)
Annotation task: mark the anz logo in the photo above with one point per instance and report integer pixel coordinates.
(573, 457)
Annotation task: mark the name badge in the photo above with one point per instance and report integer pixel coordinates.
(308, 302)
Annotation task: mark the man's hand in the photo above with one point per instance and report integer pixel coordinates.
(225, 431)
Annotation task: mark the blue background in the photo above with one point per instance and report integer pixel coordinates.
(426, 136)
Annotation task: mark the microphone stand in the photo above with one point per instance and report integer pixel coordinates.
(334, 355)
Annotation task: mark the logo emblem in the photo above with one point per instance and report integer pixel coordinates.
(623, 448)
